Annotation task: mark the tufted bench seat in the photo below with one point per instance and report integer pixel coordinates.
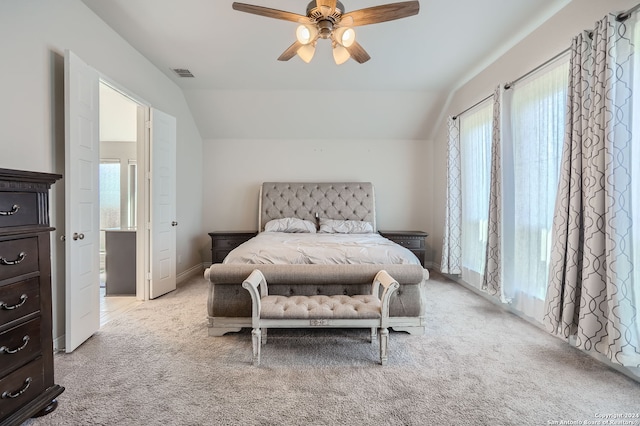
(334, 311)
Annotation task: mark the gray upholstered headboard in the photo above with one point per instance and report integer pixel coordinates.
(332, 200)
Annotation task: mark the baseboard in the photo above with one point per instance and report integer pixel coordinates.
(191, 272)
(58, 344)
(632, 373)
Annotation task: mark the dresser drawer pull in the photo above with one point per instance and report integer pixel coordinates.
(11, 212)
(3, 305)
(20, 258)
(12, 395)
(5, 350)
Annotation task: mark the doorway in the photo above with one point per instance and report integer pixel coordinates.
(121, 138)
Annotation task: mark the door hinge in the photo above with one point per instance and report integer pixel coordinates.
(149, 276)
(147, 124)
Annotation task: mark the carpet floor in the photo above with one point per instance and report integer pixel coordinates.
(476, 365)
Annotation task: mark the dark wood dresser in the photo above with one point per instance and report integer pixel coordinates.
(413, 240)
(27, 388)
(222, 242)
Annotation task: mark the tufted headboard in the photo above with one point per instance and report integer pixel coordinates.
(343, 200)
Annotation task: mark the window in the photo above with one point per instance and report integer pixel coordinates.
(536, 111)
(475, 150)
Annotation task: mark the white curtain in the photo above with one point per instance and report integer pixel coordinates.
(536, 116)
(593, 291)
(475, 153)
(451, 244)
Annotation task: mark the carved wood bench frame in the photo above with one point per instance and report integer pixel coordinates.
(260, 324)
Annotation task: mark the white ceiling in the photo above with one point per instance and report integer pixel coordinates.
(434, 52)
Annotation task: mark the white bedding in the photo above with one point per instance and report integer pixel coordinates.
(295, 248)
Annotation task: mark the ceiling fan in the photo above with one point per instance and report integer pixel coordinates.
(327, 19)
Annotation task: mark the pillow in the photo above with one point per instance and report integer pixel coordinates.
(333, 226)
(290, 224)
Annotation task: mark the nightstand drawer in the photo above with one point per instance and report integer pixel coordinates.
(19, 345)
(18, 209)
(18, 257)
(21, 386)
(410, 243)
(19, 299)
(228, 243)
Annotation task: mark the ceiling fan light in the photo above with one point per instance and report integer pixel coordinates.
(306, 33)
(345, 36)
(306, 52)
(340, 54)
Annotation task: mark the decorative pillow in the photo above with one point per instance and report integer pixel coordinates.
(290, 224)
(334, 226)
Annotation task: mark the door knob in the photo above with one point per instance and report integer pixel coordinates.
(77, 236)
(174, 223)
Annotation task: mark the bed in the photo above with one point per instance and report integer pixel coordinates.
(316, 238)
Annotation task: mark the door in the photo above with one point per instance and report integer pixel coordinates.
(82, 214)
(163, 204)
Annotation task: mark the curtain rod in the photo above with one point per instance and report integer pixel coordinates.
(472, 106)
(547, 62)
(626, 15)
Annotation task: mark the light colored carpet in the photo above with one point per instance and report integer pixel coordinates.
(476, 365)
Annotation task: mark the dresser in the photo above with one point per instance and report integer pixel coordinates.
(27, 387)
(222, 242)
(413, 240)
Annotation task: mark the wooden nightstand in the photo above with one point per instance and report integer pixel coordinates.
(413, 240)
(222, 242)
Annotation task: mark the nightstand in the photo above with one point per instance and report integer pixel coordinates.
(413, 240)
(222, 242)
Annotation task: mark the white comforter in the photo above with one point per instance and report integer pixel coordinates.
(294, 248)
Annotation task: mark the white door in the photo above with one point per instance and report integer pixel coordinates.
(82, 202)
(163, 204)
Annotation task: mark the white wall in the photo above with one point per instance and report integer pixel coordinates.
(235, 168)
(33, 37)
(548, 40)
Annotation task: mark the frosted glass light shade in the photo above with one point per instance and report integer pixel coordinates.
(306, 33)
(345, 36)
(340, 54)
(306, 52)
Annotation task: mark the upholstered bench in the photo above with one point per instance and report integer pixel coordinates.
(334, 311)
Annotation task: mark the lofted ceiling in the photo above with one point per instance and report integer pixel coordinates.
(415, 61)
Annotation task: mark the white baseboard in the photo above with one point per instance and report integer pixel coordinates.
(191, 272)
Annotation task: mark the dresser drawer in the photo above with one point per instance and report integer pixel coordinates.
(21, 386)
(18, 209)
(19, 345)
(18, 257)
(19, 299)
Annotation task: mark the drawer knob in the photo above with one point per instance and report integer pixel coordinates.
(3, 305)
(7, 394)
(6, 350)
(20, 258)
(11, 212)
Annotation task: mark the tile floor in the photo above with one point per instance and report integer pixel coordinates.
(113, 306)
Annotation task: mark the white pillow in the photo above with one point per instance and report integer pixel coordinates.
(333, 226)
(290, 224)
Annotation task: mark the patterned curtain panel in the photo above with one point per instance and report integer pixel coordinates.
(451, 245)
(492, 282)
(593, 293)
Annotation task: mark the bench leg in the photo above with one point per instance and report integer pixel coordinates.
(384, 345)
(374, 334)
(264, 336)
(255, 339)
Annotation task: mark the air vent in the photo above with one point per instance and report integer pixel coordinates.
(182, 72)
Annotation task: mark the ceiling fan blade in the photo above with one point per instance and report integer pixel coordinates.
(268, 12)
(358, 53)
(291, 51)
(383, 13)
